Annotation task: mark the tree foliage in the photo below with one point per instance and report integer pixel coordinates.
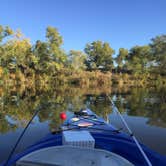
(4, 32)
(99, 56)
(121, 57)
(137, 59)
(77, 60)
(51, 58)
(46, 59)
(15, 53)
(158, 47)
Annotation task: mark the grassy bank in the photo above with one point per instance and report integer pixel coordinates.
(79, 79)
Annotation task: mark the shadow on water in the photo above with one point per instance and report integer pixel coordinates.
(143, 109)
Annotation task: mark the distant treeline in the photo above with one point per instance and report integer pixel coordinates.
(46, 61)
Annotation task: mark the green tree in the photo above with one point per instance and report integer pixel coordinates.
(16, 52)
(77, 60)
(99, 56)
(51, 58)
(121, 57)
(4, 32)
(41, 52)
(138, 59)
(158, 46)
(55, 42)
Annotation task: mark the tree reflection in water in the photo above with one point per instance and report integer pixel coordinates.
(17, 108)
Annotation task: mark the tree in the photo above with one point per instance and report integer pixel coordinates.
(138, 59)
(55, 42)
(16, 52)
(4, 32)
(99, 56)
(53, 36)
(41, 52)
(77, 60)
(121, 57)
(158, 47)
(50, 55)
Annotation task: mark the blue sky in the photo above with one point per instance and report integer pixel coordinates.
(122, 23)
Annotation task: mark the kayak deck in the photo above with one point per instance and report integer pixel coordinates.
(72, 156)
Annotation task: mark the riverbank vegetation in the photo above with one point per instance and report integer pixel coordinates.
(45, 63)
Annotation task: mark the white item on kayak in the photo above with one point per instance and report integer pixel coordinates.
(75, 119)
(78, 138)
(72, 156)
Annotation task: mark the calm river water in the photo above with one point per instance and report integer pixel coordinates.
(143, 109)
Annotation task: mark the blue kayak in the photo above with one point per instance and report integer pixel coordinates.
(107, 139)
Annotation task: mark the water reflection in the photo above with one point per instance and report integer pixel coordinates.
(17, 107)
(147, 103)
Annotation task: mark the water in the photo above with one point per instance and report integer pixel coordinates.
(143, 109)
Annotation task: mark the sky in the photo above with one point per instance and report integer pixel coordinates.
(122, 23)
